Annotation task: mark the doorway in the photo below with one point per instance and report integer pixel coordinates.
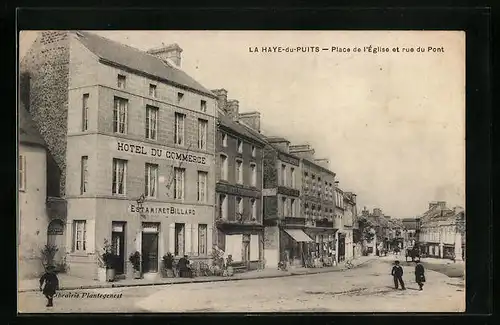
(150, 248)
(341, 247)
(118, 244)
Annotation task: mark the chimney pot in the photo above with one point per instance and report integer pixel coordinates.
(252, 119)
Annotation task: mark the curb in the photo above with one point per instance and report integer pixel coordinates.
(196, 280)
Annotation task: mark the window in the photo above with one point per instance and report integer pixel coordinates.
(180, 96)
(285, 208)
(203, 106)
(152, 90)
(179, 183)
(202, 186)
(151, 180)
(253, 202)
(151, 122)
(239, 171)
(240, 146)
(119, 176)
(292, 208)
(224, 140)
(292, 177)
(239, 205)
(222, 206)
(202, 239)
(120, 115)
(253, 171)
(84, 175)
(283, 175)
(85, 112)
(179, 128)
(223, 167)
(79, 236)
(253, 151)
(202, 134)
(121, 81)
(179, 239)
(22, 173)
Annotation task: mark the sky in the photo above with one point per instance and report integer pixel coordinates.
(392, 124)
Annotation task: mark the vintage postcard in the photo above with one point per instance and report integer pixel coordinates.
(325, 170)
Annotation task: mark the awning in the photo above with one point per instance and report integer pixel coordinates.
(298, 235)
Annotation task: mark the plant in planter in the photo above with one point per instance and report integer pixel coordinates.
(168, 265)
(48, 255)
(109, 261)
(135, 260)
(229, 269)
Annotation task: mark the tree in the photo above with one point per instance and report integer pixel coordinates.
(366, 229)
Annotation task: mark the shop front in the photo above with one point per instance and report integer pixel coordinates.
(297, 246)
(151, 228)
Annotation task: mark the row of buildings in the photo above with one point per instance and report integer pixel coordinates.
(129, 148)
(439, 232)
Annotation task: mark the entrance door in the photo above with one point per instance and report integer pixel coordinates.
(341, 248)
(118, 243)
(149, 252)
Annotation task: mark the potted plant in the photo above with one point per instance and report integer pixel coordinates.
(109, 260)
(135, 260)
(48, 256)
(168, 264)
(229, 268)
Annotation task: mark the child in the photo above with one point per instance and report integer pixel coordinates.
(51, 284)
(397, 273)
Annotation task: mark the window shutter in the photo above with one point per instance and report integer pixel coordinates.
(171, 238)
(195, 239)
(209, 240)
(188, 240)
(254, 247)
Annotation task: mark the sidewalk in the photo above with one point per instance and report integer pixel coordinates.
(68, 282)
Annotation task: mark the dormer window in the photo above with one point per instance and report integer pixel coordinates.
(180, 96)
(121, 81)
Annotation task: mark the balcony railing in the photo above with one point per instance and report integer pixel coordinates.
(238, 219)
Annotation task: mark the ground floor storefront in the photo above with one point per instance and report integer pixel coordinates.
(244, 243)
(440, 250)
(299, 246)
(125, 226)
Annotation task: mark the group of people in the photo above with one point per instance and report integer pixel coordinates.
(397, 274)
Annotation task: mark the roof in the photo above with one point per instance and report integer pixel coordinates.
(139, 60)
(28, 133)
(227, 122)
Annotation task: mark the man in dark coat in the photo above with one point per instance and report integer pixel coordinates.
(183, 266)
(419, 274)
(397, 274)
(49, 278)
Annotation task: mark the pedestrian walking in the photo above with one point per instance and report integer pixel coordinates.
(397, 274)
(49, 283)
(419, 274)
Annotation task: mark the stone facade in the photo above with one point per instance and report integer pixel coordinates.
(64, 74)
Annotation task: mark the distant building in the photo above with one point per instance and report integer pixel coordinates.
(412, 230)
(442, 231)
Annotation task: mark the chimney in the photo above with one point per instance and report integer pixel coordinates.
(233, 109)
(323, 162)
(303, 151)
(169, 53)
(437, 204)
(252, 119)
(221, 98)
(377, 212)
(282, 143)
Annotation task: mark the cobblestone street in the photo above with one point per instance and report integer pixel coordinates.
(365, 289)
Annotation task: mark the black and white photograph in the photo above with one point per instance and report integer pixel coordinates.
(241, 171)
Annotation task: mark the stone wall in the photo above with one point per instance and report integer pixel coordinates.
(45, 70)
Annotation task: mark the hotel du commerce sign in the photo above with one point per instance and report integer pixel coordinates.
(184, 156)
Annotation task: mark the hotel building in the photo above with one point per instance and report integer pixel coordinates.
(132, 140)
